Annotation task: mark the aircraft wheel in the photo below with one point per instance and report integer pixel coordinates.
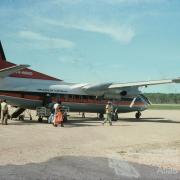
(101, 116)
(65, 119)
(138, 115)
(21, 118)
(115, 117)
(40, 119)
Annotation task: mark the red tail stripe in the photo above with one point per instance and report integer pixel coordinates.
(26, 73)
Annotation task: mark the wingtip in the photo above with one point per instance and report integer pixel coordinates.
(176, 80)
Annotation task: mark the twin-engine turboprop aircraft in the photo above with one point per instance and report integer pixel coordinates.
(28, 89)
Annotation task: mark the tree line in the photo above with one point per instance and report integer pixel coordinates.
(161, 98)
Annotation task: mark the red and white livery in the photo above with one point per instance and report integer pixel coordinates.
(28, 89)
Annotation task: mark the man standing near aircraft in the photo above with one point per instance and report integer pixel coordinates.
(109, 111)
(4, 112)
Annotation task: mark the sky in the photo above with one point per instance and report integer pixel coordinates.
(95, 41)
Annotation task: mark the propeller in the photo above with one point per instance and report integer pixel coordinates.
(134, 99)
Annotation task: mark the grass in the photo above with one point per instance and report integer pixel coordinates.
(165, 106)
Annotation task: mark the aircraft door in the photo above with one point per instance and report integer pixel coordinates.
(47, 100)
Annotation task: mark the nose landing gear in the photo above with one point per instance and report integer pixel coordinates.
(115, 117)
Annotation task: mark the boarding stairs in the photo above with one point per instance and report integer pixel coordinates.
(17, 112)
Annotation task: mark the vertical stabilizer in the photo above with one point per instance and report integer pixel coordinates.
(23, 73)
(2, 55)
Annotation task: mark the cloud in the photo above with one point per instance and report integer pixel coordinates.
(70, 60)
(121, 33)
(44, 41)
(78, 15)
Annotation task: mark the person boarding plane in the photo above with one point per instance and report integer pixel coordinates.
(29, 89)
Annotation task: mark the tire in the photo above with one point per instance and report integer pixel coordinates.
(21, 118)
(101, 116)
(40, 119)
(115, 116)
(65, 119)
(138, 115)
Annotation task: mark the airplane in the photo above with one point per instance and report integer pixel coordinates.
(25, 88)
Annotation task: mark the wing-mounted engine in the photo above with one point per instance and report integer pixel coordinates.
(121, 92)
(109, 93)
(96, 89)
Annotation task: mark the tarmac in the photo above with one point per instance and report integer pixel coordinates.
(148, 148)
(85, 168)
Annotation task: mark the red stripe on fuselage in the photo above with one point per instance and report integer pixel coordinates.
(70, 100)
(22, 95)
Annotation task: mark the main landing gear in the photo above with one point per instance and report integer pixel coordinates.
(40, 119)
(138, 115)
(101, 116)
(115, 117)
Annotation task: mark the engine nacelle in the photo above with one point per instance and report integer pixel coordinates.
(119, 93)
(123, 93)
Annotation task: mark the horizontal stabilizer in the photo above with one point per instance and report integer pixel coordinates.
(10, 70)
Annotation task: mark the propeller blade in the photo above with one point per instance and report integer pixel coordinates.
(116, 110)
(132, 103)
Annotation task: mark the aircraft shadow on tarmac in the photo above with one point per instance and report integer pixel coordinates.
(70, 123)
(155, 120)
(91, 121)
(86, 123)
(23, 123)
(77, 122)
(81, 123)
(95, 120)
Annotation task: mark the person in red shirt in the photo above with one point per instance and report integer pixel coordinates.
(58, 119)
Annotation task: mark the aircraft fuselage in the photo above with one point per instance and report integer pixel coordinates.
(31, 93)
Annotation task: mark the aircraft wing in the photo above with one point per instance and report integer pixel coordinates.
(7, 71)
(143, 83)
(108, 86)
